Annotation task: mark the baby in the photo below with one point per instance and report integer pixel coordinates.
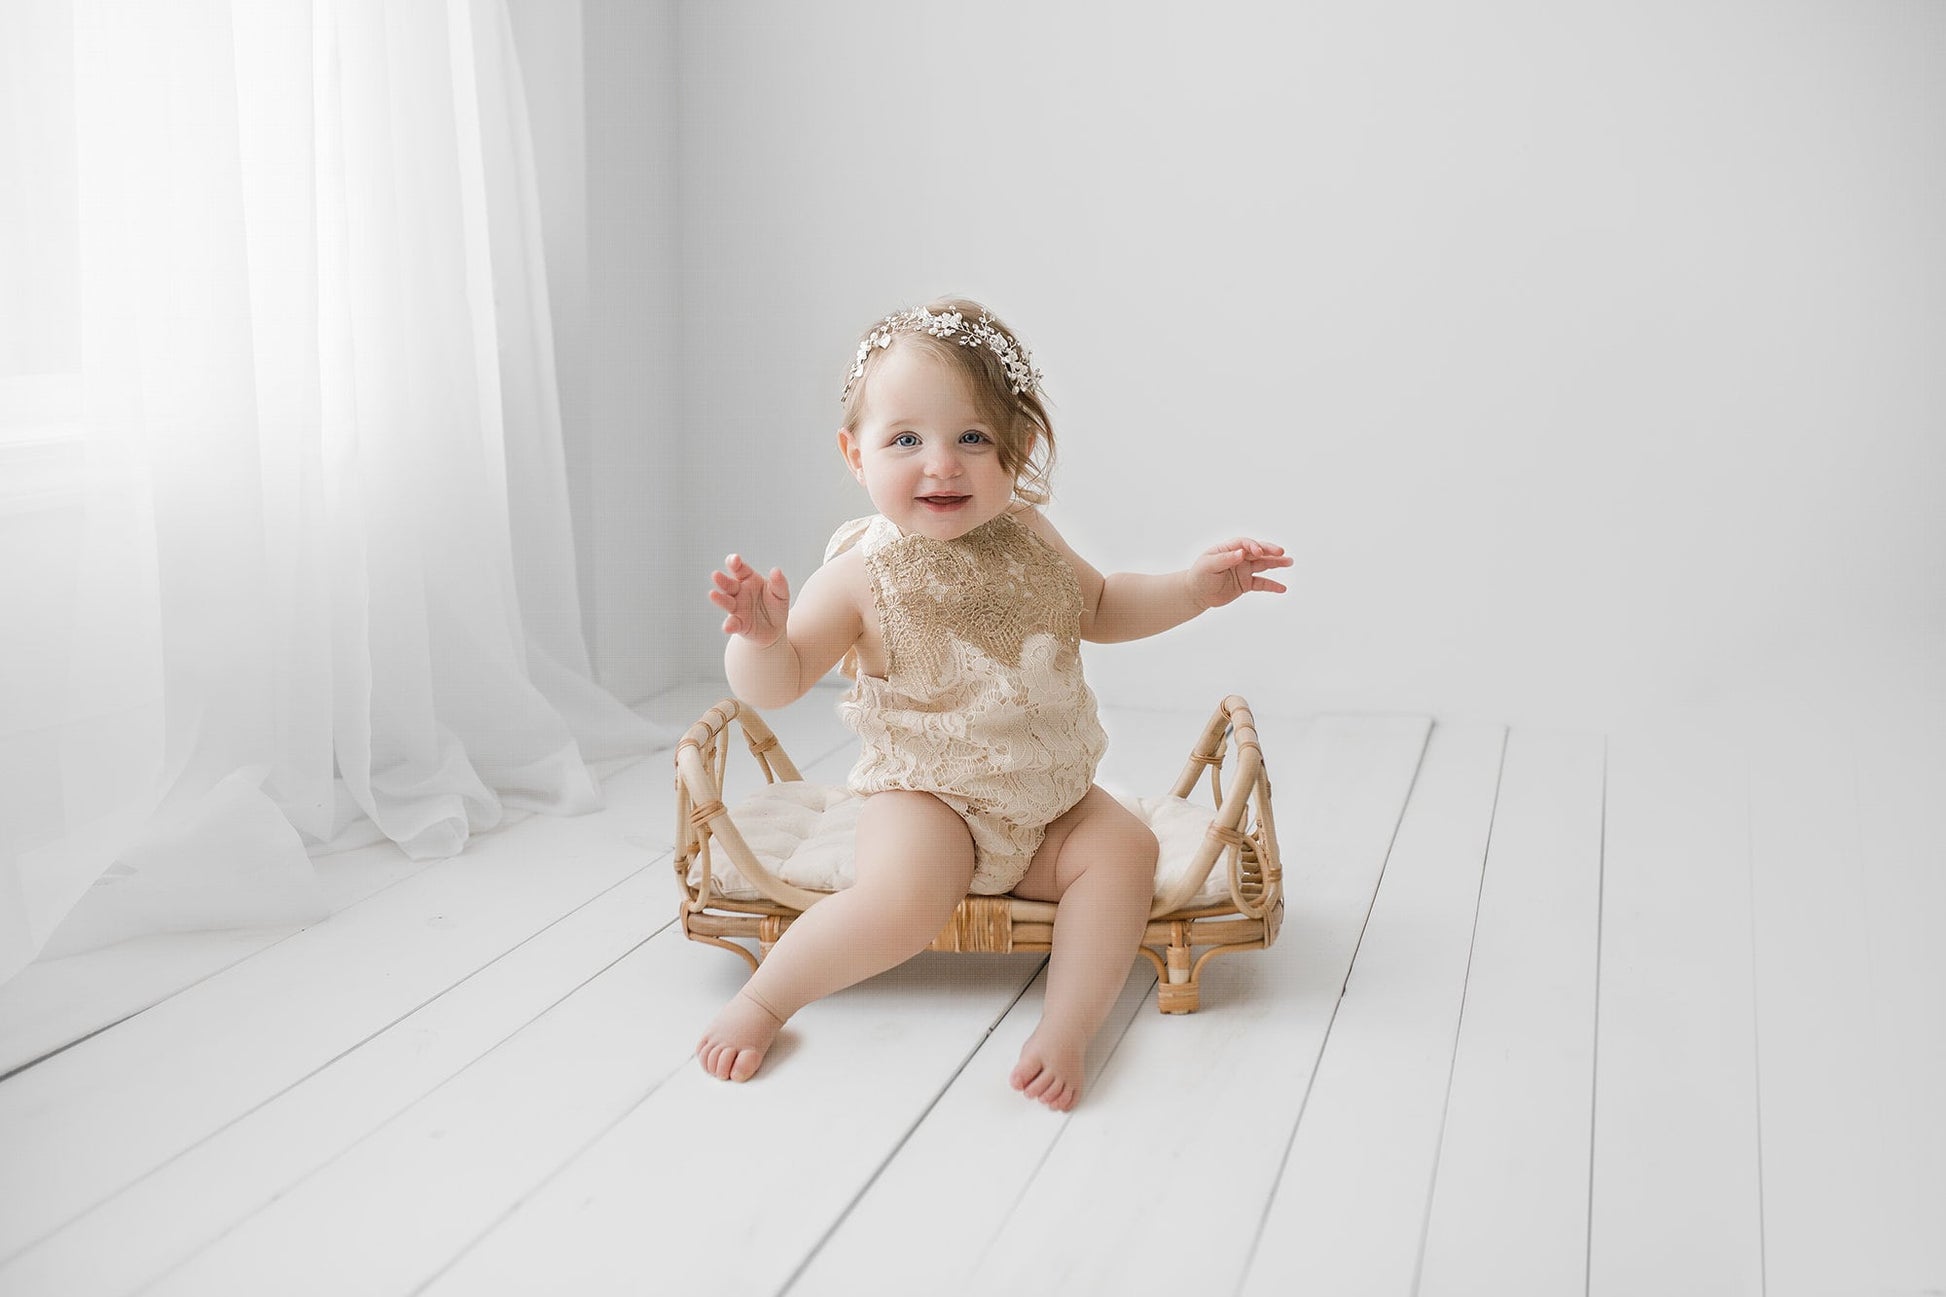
(958, 611)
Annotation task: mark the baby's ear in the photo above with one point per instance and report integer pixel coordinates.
(854, 453)
(1028, 434)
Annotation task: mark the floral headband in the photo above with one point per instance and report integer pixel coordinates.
(1022, 377)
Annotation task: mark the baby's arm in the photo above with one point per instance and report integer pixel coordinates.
(1135, 605)
(776, 651)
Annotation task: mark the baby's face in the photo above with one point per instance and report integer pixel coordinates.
(925, 455)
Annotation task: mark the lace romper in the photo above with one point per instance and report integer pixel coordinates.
(982, 703)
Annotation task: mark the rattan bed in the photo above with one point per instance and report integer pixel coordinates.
(1240, 833)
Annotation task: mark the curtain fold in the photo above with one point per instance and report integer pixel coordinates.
(312, 560)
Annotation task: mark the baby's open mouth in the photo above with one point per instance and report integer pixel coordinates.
(944, 501)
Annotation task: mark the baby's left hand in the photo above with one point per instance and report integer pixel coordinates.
(1224, 572)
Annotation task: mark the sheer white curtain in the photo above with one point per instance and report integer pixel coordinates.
(285, 555)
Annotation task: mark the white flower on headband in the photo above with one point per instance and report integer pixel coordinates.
(1022, 376)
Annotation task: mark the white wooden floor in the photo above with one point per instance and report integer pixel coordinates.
(1655, 1013)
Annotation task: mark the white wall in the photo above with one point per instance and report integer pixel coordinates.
(1588, 357)
(635, 342)
(601, 79)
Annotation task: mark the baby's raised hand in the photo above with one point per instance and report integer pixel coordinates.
(1227, 571)
(757, 605)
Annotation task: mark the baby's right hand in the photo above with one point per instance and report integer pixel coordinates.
(757, 605)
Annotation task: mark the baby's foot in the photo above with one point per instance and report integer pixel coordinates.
(733, 1046)
(1050, 1067)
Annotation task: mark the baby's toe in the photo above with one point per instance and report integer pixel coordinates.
(745, 1064)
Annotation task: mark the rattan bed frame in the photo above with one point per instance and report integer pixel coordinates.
(1242, 834)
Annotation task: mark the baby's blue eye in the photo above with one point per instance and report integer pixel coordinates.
(970, 437)
(905, 439)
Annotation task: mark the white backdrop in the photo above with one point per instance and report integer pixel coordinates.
(1587, 357)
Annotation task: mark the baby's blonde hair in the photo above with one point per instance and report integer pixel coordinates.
(1020, 422)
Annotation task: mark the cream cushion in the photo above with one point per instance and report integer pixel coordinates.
(802, 832)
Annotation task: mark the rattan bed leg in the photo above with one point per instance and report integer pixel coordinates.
(741, 952)
(769, 929)
(1178, 993)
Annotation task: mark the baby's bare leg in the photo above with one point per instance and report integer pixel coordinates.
(914, 864)
(1098, 862)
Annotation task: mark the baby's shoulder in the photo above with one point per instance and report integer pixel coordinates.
(844, 575)
(845, 562)
(1035, 523)
(843, 566)
(1030, 517)
(846, 539)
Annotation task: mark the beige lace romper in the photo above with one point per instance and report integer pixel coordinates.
(982, 703)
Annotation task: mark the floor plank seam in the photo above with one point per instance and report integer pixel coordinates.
(1027, 1184)
(327, 1065)
(283, 1190)
(891, 1155)
(106, 1026)
(621, 766)
(1756, 1012)
(597, 1137)
(269, 946)
(1324, 1041)
(1459, 1022)
(543, 1182)
(484, 1054)
(187, 986)
(1378, 884)
(1594, 1051)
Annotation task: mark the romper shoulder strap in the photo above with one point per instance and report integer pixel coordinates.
(847, 535)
